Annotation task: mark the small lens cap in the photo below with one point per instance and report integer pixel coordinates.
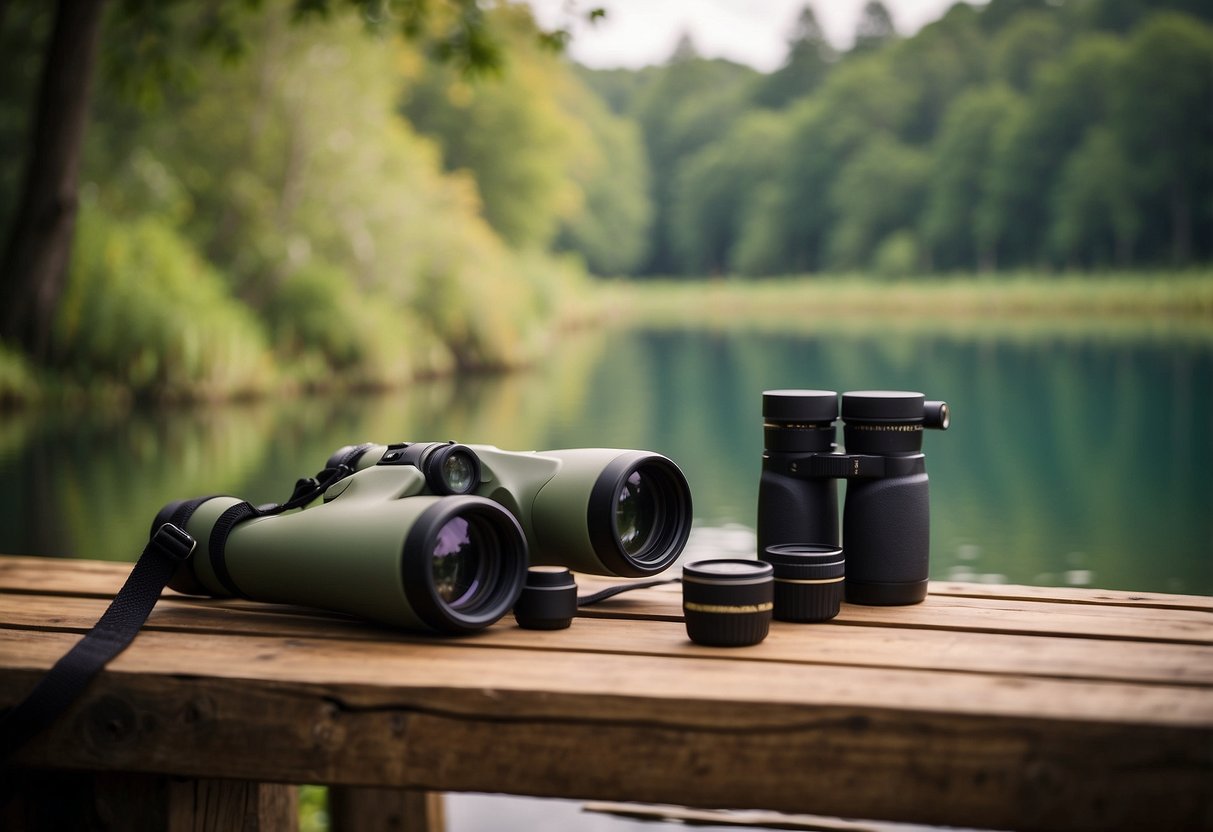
(805, 561)
(727, 602)
(548, 600)
(808, 580)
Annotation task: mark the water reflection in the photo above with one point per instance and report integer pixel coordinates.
(1071, 460)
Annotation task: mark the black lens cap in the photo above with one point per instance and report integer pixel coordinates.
(548, 600)
(727, 602)
(808, 580)
(800, 405)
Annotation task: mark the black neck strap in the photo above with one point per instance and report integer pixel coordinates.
(168, 547)
(115, 630)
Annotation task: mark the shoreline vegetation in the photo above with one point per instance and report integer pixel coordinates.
(1176, 305)
(1058, 302)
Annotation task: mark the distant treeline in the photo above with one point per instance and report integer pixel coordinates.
(1019, 134)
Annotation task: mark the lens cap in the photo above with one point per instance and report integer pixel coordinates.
(727, 602)
(800, 405)
(808, 580)
(548, 600)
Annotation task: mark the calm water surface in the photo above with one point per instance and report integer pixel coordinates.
(1077, 459)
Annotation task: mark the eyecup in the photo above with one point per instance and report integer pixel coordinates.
(800, 405)
(882, 406)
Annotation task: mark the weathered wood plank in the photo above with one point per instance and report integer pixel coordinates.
(978, 614)
(486, 680)
(992, 615)
(103, 578)
(1028, 771)
(1051, 594)
(827, 644)
(1075, 595)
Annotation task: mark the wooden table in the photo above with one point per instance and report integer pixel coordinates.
(990, 706)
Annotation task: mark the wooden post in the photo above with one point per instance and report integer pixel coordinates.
(43, 801)
(357, 809)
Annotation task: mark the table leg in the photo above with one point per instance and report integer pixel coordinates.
(360, 809)
(43, 801)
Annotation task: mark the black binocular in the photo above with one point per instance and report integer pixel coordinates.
(886, 518)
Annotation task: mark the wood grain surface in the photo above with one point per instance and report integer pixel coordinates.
(997, 707)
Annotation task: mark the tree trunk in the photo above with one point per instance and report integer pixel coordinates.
(34, 268)
(1181, 225)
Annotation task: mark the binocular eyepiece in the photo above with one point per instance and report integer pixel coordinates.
(438, 535)
(885, 532)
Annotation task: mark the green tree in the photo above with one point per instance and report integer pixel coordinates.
(1162, 118)
(512, 136)
(961, 154)
(1027, 42)
(1067, 98)
(683, 107)
(714, 188)
(875, 27)
(860, 101)
(810, 57)
(876, 194)
(609, 227)
(35, 259)
(1095, 219)
(937, 65)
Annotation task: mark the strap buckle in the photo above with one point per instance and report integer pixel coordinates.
(174, 542)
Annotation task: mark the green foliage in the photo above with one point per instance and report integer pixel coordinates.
(511, 135)
(18, 382)
(685, 106)
(873, 195)
(609, 227)
(875, 27)
(328, 215)
(810, 57)
(273, 220)
(144, 311)
(549, 161)
(715, 190)
(963, 153)
(897, 255)
(1095, 218)
(1027, 43)
(1018, 133)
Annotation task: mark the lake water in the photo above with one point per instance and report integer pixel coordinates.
(1074, 457)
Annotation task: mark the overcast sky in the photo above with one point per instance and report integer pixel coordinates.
(636, 33)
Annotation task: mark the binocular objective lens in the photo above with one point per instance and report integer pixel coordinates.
(458, 473)
(460, 562)
(636, 512)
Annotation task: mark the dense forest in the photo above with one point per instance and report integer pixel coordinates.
(1023, 134)
(269, 199)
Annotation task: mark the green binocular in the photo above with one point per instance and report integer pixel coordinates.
(436, 535)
